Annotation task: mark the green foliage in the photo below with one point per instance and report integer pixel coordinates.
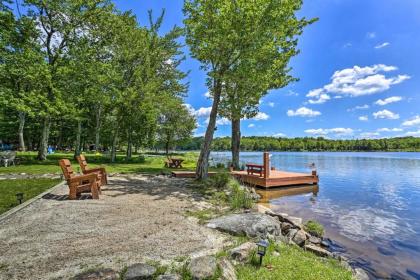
(259, 143)
(315, 228)
(219, 181)
(239, 197)
(293, 263)
(30, 188)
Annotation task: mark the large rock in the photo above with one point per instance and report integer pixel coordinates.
(169, 277)
(299, 238)
(285, 227)
(101, 274)
(249, 224)
(140, 271)
(318, 250)
(202, 267)
(296, 222)
(291, 234)
(228, 270)
(315, 240)
(242, 252)
(360, 274)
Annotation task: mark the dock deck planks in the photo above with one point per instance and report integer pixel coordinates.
(277, 179)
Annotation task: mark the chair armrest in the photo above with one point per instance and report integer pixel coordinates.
(88, 177)
(93, 170)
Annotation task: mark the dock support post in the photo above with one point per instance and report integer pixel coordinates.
(266, 165)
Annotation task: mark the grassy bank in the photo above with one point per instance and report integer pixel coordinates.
(291, 262)
(30, 188)
(141, 163)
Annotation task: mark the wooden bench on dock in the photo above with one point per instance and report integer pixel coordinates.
(253, 169)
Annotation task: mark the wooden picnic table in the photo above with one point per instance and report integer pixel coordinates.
(174, 163)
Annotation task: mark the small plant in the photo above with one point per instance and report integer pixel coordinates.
(240, 198)
(218, 181)
(314, 228)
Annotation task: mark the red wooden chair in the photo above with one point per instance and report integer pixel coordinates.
(79, 183)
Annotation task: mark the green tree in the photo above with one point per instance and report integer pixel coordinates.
(226, 35)
(176, 124)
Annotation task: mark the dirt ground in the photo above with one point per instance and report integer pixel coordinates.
(137, 218)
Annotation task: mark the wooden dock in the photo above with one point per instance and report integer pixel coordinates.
(277, 179)
(263, 175)
(269, 177)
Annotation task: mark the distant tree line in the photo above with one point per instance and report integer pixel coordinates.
(319, 144)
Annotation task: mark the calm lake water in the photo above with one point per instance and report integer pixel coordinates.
(369, 204)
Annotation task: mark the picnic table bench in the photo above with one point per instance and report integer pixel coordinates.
(253, 169)
(173, 163)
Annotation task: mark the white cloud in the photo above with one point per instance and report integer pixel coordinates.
(339, 131)
(362, 107)
(322, 98)
(303, 112)
(203, 112)
(359, 81)
(371, 35)
(383, 45)
(292, 93)
(413, 133)
(261, 117)
(222, 121)
(279, 135)
(200, 113)
(412, 122)
(207, 94)
(347, 45)
(386, 114)
(363, 118)
(385, 129)
(369, 135)
(251, 125)
(388, 100)
(271, 104)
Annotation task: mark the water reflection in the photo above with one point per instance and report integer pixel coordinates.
(274, 193)
(368, 202)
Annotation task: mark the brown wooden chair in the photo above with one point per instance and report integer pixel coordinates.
(100, 170)
(79, 183)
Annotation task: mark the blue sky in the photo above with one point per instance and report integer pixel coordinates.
(358, 68)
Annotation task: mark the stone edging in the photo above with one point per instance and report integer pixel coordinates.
(28, 202)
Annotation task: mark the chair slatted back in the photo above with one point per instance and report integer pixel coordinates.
(82, 162)
(66, 168)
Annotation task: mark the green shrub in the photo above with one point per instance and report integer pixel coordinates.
(314, 228)
(239, 198)
(218, 181)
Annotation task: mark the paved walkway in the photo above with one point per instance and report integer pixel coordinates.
(137, 218)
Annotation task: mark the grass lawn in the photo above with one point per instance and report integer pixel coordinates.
(139, 163)
(293, 263)
(30, 188)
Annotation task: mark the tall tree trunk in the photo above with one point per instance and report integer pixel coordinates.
(21, 127)
(43, 145)
(114, 144)
(236, 142)
(98, 127)
(129, 145)
(201, 171)
(77, 149)
(167, 148)
(60, 136)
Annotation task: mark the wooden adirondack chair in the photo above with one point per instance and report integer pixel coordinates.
(100, 170)
(80, 183)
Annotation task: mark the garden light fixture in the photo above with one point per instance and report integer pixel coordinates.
(19, 197)
(262, 249)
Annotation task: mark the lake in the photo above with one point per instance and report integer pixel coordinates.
(369, 204)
